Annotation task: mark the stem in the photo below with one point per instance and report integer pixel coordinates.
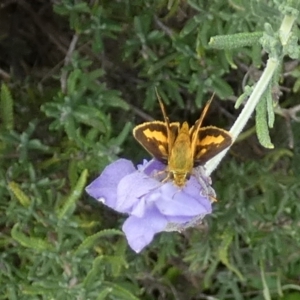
(272, 64)
(247, 110)
(285, 28)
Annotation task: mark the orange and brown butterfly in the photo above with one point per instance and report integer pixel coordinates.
(180, 147)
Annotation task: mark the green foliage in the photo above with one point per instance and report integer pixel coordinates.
(32, 242)
(261, 123)
(20, 195)
(227, 238)
(6, 108)
(70, 203)
(235, 40)
(88, 242)
(59, 131)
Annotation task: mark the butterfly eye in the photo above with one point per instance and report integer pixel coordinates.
(188, 176)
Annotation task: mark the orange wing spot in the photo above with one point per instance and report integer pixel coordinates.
(202, 152)
(163, 150)
(210, 139)
(154, 134)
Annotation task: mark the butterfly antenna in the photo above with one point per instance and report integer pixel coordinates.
(204, 111)
(199, 122)
(162, 107)
(169, 134)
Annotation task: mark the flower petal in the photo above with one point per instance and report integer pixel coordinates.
(140, 231)
(174, 202)
(104, 187)
(131, 188)
(194, 189)
(139, 208)
(178, 224)
(179, 219)
(151, 166)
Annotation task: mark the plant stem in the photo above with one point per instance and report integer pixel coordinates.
(259, 89)
(247, 110)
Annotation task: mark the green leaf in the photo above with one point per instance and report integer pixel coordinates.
(266, 291)
(103, 294)
(210, 272)
(116, 264)
(91, 240)
(119, 140)
(200, 95)
(262, 125)
(291, 296)
(72, 81)
(97, 42)
(142, 26)
(71, 200)
(221, 87)
(243, 97)
(6, 108)
(70, 128)
(92, 274)
(195, 5)
(119, 292)
(188, 28)
(72, 173)
(233, 41)
(184, 48)
(161, 63)
(270, 107)
(92, 117)
(11, 293)
(227, 238)
(173, 92)
(112, 98)
(256, 56)
(30, 242)
(19, 194)
(229, 58)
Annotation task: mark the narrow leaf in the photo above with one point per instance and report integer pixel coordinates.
(227, 238)
(243, 97)
(233, 41)
(6, 107)
(91, 240)
(93, 273)
(30, 242)
(70, 203)
(19, 194)
(270, 107)
(120, 292)
(103, 294)
(266, 291)
(262, 125)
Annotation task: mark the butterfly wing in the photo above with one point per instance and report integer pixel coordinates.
(194, 130)
(174, 130)
(210, 141)
(153, 136)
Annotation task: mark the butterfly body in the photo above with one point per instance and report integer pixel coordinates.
(181, 147)
(180, 162)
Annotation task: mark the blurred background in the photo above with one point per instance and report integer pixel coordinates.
(76, 77)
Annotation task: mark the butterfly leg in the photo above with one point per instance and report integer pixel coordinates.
(205, 183)
(166, 178)
(159, 177)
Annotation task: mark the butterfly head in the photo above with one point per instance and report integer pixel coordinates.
(180, 179)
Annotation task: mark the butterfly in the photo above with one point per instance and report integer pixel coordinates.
(179, 146)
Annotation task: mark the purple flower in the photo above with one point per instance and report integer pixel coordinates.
(152, 206)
